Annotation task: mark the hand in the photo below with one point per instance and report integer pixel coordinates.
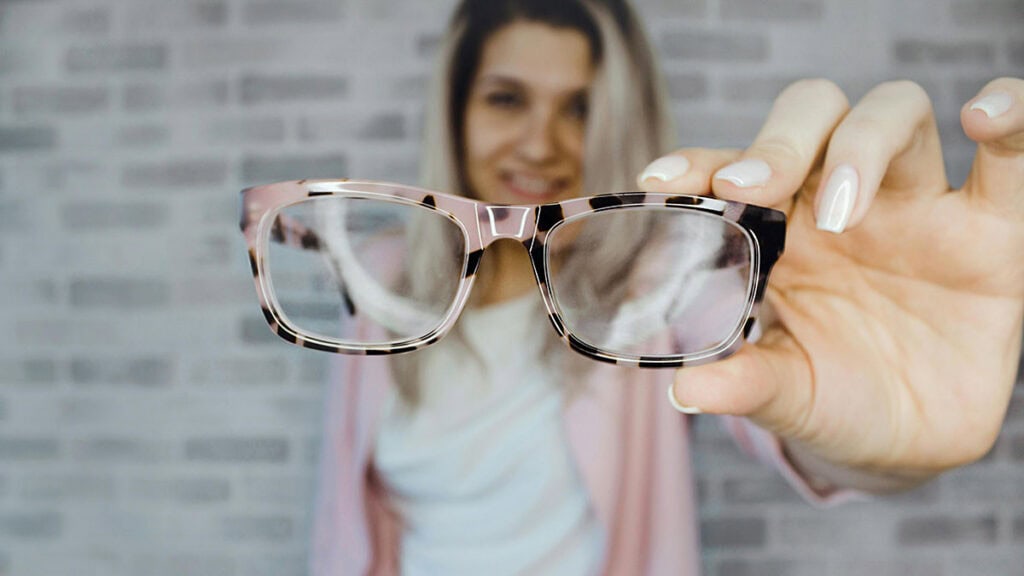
(895, 336)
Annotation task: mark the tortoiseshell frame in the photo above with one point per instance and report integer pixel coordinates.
(482, 224)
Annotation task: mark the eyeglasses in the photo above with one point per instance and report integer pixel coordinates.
(634, 278)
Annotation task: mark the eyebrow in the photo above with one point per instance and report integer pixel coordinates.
(498, 78)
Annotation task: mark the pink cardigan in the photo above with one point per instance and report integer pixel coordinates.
(630, 446)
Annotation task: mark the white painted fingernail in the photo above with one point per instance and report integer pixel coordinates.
(746, 173)
(837, 199)
(993, 104)
(675, 404)
(665, 168)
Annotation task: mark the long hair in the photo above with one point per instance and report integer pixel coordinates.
(627, 124)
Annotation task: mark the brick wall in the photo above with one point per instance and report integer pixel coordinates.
(151, 424)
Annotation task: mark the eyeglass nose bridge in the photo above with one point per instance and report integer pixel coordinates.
(496, 222)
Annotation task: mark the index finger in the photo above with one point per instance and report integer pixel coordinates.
(788, 146)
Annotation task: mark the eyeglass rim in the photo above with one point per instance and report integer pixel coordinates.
(727, 344)
(764, 227)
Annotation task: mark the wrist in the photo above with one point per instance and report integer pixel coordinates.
(826, 477)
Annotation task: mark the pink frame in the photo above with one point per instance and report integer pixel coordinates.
(482, 224)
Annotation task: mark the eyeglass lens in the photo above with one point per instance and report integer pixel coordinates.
(370, 272)
(650, 281)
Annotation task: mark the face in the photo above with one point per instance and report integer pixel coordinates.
(526, 113)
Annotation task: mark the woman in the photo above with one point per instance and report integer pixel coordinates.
(429, 469)
(531, 109)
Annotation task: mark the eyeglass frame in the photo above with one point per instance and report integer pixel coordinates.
(764, 227)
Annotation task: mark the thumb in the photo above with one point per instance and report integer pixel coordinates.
(995, 119)
(769, 382)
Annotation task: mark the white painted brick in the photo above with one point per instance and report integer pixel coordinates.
(20, 20)
(148, 17)
(778, 10)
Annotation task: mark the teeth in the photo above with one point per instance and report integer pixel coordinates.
(532, 185)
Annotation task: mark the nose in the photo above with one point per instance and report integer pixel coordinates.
(539, 141)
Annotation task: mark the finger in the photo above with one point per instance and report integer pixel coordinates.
(768, 382)
(788, 146)
(686, 171)
(995, 120)
(889, 139)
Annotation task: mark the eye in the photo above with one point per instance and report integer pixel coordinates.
(577, 108)
(504, 99)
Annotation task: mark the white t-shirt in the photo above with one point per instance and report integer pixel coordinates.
(480, 471)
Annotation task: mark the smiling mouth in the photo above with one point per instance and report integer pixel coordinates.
(533, 186)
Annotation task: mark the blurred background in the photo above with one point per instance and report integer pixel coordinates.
(151, 424)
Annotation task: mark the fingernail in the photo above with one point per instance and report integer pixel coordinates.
(837, 199)
(993, 104)
(746, 173)
(680, 407)
(665, 168)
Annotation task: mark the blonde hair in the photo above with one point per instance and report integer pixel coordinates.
(628, 123)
